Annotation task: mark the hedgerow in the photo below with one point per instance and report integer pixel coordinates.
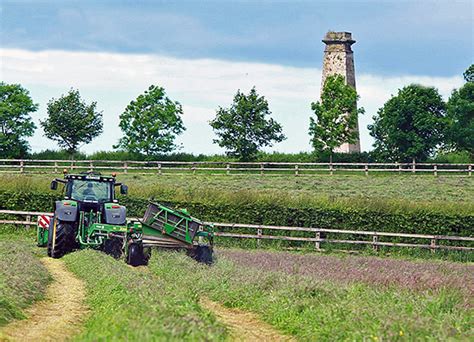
(271, 210)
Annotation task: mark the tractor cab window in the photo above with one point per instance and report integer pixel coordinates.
(91, 191)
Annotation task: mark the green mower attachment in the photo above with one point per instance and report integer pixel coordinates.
(167, 228)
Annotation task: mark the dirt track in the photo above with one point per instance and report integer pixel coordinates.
(58, 316)
(244, 326)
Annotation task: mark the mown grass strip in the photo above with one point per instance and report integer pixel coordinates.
(133, 304)
(419, 191)
(23, 278)
(322, 310)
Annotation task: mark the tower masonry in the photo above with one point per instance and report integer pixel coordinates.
(339, 60)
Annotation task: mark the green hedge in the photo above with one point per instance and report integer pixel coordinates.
(308, 157)
(323, 215)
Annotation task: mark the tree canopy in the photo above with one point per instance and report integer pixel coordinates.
(409, 125)
(460, 115)
(469, 74)
(151, 123)
(336, 115)
(72, 122)
(245, 126)
(15, 120)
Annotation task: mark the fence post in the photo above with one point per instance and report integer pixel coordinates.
(28, 218)
(317, 244)
(125, 167)
(55, 167)
(330, 169)
(435, 170)
(261, 169)
(159, 169)
(433, 245)
(470, 170)
(366, 169)
(228, 169)
(259, 233)
(72, 165)
(399, 168)
(194, 168)
(91, 166)
(22, 165)
(413, 166)
(375, 240)
(296, 170)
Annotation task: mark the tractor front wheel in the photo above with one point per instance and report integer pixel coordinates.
(61, 238)
(136, 255)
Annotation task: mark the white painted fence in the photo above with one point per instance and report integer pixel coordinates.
(264, 232)
(225, 168)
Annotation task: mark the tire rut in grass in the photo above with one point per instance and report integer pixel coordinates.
(243, 326)
(56, 318)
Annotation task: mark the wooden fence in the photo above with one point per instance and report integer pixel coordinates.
(264, 232)
(225, 168)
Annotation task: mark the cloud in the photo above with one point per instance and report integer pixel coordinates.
(201, 85)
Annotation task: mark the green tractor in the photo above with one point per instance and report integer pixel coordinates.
(90, 216)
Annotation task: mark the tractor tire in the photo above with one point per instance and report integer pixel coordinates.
(65, 239)
(204, 254)
(136, 255)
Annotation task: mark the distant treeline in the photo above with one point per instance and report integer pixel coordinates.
(301, 157)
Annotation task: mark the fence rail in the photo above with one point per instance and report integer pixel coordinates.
(463, 243)
(225, 168)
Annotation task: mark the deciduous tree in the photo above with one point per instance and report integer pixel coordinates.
(336, 116)
(15, 120)
(72, 122)
(469, 74)
(151, 123)
(410, 125)
(460, 114)
(245, 126)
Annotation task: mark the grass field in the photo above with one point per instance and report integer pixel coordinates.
(303, 295)
(423, 188)
(314, 307)
(306, 296)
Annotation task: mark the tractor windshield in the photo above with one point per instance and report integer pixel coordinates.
(90, 191)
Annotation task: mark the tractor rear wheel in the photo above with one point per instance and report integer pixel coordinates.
(65, 239)
(136, 255)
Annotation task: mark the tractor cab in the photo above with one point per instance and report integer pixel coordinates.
(90, 187)
(93, 194)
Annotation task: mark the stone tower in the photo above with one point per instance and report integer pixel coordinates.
(339, 59)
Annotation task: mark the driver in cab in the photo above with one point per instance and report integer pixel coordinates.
(89, 191)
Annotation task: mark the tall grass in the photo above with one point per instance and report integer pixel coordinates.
(312, 309)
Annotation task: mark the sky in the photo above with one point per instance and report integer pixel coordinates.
(201, 52)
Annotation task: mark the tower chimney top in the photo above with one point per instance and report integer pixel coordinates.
(332, 37)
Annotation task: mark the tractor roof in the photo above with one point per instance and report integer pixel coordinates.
(90, 176)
